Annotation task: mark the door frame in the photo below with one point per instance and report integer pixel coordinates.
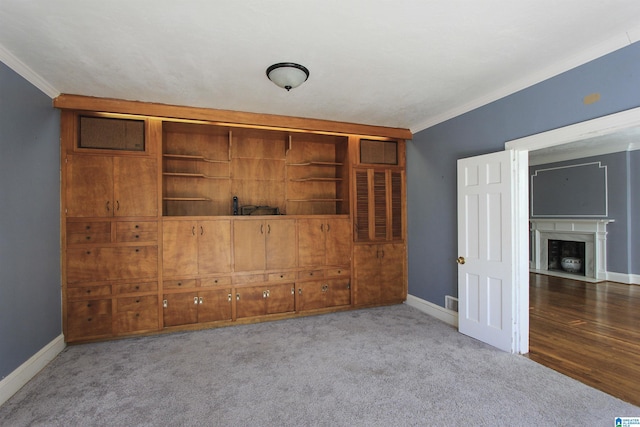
(597, 127)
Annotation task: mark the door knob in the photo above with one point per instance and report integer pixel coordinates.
(460, 260)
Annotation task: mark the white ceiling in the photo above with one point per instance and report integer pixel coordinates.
(398, 63)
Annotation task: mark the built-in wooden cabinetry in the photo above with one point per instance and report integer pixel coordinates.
(181, 218)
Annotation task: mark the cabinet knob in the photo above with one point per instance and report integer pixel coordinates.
(164, 303)
(229, 297)
(237, 297)
(195, 300)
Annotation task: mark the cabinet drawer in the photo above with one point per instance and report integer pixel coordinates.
(88, 292)
(129, 288)
(249, 278)
(311, 274)
(179, 284)
(216, 281)
(338, 272)
(131, 321)
(111, 263)
(143, 231)
(88, 232)
(287, 275)
(88, 318)
(142, 303)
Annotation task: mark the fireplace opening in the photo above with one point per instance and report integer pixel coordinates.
(567, 256)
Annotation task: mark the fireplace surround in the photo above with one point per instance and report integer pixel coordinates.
(591, 232)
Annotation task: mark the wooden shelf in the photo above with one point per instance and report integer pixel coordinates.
(316, 180)
(315, 164)
(315, 200)
(192, 157)
(193, 175)
(186, 199)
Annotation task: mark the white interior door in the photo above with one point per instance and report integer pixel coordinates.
(493, 290)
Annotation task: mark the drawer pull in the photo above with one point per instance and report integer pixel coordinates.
(136, 226)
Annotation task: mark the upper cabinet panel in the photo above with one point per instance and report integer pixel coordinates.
(111, 134)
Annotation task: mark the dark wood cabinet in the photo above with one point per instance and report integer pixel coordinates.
(150, 238)
(264, 244)
(265, 299)
(320, 294)
(199, 306)
(379, 273)
(110, 186)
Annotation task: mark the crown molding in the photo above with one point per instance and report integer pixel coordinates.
(27, 73)
(594, 52)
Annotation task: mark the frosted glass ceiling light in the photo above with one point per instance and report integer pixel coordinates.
(287, 75)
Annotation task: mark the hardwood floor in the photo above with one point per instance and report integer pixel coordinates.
(588, 331)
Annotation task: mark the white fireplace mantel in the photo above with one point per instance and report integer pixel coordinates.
(593, 232)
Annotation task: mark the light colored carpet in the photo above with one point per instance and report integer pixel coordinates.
(388, 366)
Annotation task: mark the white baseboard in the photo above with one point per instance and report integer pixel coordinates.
(629, 279)
(440, 313)
(19, 377)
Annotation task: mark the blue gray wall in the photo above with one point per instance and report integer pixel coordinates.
(432, 155)
(550, 196)
(30, 296)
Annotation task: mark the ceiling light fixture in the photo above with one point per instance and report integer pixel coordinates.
(287, 75)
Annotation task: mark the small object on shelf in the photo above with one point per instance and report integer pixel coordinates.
(259, 210)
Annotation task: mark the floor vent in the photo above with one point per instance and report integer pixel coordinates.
(451, 303)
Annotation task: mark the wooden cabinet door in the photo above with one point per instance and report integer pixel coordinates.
(378, 192)
(361, 205)
(338, 241)
(310, 295)
(391, 277)
(249, 245)
(180, 309)
(366, 274)
(250, 301)
(280, 244)
(338, 292)
(214, 305)
(179, 248)
(214, 246)
(135, 188)
(89, 186)
(280, 298)
(311, 242)
(379, 204)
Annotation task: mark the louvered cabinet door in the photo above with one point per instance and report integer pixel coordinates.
(379, 204)
(361, 208)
